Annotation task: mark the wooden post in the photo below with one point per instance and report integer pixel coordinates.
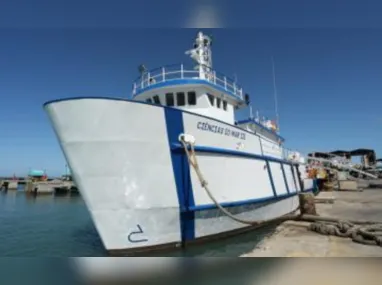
(307, 204)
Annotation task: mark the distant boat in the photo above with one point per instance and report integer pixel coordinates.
(37, 173)
(129, 162)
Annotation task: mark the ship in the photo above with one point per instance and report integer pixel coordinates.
(171, 166)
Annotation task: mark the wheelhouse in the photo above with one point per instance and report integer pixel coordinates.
(174, 86)
(199, 90)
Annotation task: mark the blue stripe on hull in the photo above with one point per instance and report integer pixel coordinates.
(297, 178)
(271, 178)
(285, 179)
(214, 213)
(294, 169)
(181, 168)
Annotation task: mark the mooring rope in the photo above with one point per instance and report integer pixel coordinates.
(194, 163)
(367, 234)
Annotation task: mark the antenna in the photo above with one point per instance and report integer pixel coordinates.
(201, 53)
(142, 69)
(275, 93)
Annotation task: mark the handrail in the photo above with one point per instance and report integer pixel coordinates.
(177, 71)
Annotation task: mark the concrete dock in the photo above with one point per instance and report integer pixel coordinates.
(9, 184)
(49, 187)
(294, 239)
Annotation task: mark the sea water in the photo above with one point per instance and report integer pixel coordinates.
(60, 226)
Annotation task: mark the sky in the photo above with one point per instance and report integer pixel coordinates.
(328, 66)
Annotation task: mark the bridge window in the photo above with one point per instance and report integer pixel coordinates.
(211, 98)
(180, 99)
(170, 99)
(191, 96)
(218, 101)
(225, 105)
(148, 100)
(156, 99)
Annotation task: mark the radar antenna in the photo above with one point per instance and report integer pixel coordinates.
(202, 55)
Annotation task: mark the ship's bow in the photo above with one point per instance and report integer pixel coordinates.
(119, 155)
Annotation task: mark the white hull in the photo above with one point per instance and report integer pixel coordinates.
(129, 166)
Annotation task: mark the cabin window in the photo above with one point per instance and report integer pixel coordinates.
(148, 100)
(180, 99)
(211, 98)
(170, 99)
(225, 105)
(156, 99)
(191, 96)
(218, 101)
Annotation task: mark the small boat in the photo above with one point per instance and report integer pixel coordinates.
(133, 159)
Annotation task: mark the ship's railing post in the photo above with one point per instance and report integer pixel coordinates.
(163, 74)
(181, 71)
(214, 77)
(225, 83)
(148, 79)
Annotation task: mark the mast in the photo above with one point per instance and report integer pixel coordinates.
(202, 55)
(275, 94)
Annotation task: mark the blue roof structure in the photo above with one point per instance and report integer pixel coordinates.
(36, 173)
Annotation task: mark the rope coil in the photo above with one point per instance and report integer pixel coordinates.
(368, 234)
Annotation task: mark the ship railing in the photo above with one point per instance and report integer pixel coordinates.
(178, 71)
